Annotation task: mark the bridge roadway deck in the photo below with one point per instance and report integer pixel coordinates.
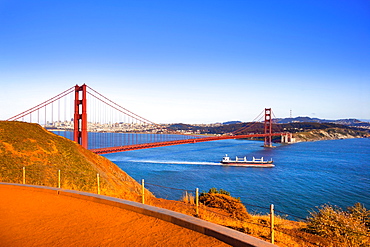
(176, 142)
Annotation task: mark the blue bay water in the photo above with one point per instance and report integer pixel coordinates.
(305, 175)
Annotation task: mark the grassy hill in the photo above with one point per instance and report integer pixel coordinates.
(43, 153)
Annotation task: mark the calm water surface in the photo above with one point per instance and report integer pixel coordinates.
(305, 175)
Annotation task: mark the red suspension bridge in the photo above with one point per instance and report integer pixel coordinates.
(83, 114)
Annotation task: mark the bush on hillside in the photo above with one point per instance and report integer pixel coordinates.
(343, 228)
(222, 200)
(221, 191)
(360, 212)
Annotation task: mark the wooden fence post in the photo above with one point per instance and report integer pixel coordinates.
(24, 175)
(142, 192)
(59, 179)
(197, 201)
(98, 179)
(272, 223)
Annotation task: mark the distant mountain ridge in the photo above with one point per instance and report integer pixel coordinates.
(231, 122)
(347, 122)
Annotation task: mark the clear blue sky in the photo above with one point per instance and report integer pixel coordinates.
(191, 61)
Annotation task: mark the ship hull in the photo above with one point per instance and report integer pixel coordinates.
(249, 164)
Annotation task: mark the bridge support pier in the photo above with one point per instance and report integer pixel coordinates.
(268, 128)
(287, 138)
(80, 116)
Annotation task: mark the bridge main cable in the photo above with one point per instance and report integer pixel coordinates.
(254, 122)
(131, 114)
(39, 106)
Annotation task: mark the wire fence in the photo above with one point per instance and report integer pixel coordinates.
(267, 223)
(166, 192)
(46, 175)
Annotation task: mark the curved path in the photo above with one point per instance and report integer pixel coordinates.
(32, 216)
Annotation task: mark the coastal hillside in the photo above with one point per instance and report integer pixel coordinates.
(305, 131)
(43, 153)
(327, 134)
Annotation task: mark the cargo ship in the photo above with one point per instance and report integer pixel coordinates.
(247, 163)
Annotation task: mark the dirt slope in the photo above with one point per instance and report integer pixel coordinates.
(43, 153)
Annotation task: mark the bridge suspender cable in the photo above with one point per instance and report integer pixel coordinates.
(131, 114)
(254, 122)
(43, 104)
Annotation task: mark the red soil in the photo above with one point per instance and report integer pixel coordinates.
(31, 218)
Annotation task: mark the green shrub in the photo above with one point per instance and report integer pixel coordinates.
(221, 191)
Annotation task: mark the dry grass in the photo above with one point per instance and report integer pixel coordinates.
(348, 228)
(43, 153)
(188, 198)
(218, 208)
(288, 233)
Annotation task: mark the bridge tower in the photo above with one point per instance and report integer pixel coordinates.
(80, 116)
(268, 128)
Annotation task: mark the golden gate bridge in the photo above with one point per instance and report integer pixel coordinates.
(86, 113)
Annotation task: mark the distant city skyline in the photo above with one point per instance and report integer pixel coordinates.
(191, 62)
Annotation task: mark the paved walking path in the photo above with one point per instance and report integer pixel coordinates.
(34, 218)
